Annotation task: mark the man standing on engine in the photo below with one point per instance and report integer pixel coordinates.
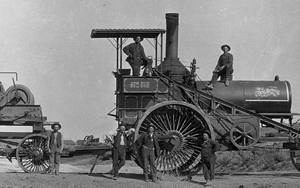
(56, 145)
(224, 68)
(150, 147)
(136, 56)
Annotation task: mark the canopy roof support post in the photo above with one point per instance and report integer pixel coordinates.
(161, 47)
(155, 52)
(117, 54)
(121, 47)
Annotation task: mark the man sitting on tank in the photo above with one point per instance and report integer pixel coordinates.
(224, 68)
(136, 56)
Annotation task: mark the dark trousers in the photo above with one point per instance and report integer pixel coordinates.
(119, 155)
(209, 168)
(136, 68)
(225, 73)
(149, 160)
(55, 161)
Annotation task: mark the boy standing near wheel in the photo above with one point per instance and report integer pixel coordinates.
(56, 145)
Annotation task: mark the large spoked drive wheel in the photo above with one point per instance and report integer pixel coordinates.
(244, 135)
(179, 126)
(31, 154)
(295, 157)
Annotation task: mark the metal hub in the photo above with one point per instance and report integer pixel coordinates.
(173, 141)
(37, 154)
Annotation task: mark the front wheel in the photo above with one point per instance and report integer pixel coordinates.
(295, 157)
(32, 154)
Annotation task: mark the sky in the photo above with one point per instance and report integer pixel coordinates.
(48, 43)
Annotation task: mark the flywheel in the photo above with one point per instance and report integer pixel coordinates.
(244, 135)
(295, 157)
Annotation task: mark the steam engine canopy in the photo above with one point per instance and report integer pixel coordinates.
(260, 96)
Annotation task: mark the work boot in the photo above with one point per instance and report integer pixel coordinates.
(146, 178)
(154, 179)
(226, 82)
(208, 183)
(210, 86)
(115, 176)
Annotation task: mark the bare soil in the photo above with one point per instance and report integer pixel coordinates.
(75, 175)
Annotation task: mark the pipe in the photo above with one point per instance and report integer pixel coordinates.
(172, 20)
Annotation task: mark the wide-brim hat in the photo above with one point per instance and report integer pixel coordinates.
(208, 133)
(138, 36)
(225, 45)
(52, 126)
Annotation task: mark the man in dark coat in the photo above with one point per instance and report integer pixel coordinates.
(119, 151)
(56, 145)
(224, 68)
(136, 56)
(208, 156)
(150, 147)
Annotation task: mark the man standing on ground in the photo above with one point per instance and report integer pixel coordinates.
(224, 68)
(208, 149)
(136, 56)
(119, 151)
(150, 147)
(56, 145)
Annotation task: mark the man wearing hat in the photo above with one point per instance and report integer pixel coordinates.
(136, 56)
(150, 148)
(120, 142)
(56, 145)
(224, 68)
(208, 157)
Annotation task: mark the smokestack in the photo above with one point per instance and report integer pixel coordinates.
(171, 65)
(172, 20)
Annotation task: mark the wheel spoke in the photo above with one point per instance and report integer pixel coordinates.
(235, 139)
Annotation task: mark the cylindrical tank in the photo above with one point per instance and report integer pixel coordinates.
(259, 96)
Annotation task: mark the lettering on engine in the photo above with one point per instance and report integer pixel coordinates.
(140, 85)
(267, 92)
(144, 85)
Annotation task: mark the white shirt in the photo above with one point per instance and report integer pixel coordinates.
(122, 140)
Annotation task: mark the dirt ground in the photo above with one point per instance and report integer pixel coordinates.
(76, 176)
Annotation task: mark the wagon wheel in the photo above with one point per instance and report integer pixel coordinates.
(295, 157)
(31, 154)
(244, 135)
(179, 126)
(19, 94)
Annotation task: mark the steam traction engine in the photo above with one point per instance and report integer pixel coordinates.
(181, 109)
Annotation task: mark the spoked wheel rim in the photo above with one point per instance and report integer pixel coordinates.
(244, 135)
(179, 126)
(24, 95)
(295, 157)
(31, 154)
